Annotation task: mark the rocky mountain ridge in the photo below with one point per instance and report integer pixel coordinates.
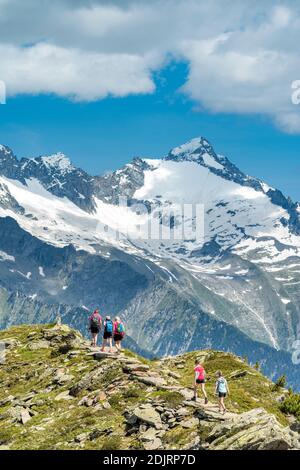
(239, 284)
(56, 392)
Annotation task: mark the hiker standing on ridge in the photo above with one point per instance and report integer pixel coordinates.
(108, 333)
(221, 391)
(95, 326)
(199, 380)
(119, 333)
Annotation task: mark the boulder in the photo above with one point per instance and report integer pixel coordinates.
(39, 344)
(25, 416)
(10, 343)
(190, 423)
(155, 444)
(106, 405)
(208, 412)
(182, 412)
(85, 401)
(186, 393)
(133, 367)
(102, 395)
(237, 374)
(174, 375)
(150, 380)
(149, 435)
(91, 381)
(63, 338)
(7, 400)
(96, 433)
(63, 396)
(74, 353)
(18, 414)
(100, 355)
(61, 377)
(81, 437)
(28, 396)
(146, 414)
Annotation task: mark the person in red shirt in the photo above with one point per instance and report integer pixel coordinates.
(199, 380)
(95, 326)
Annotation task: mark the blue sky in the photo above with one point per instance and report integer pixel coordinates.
(225, 77)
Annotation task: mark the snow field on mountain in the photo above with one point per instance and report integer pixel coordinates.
(228, 206)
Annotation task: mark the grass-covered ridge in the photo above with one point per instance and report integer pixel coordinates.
(55, 395)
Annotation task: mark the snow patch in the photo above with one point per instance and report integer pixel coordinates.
(188, 147)
(5, 257)
(41, 271)
(211, 162)
(58, 161)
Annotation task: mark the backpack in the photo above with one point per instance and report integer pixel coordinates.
(95, 321)
(108, 326)
(120, 329)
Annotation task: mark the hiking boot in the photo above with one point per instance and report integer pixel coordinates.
(194, 399)
(205, 401)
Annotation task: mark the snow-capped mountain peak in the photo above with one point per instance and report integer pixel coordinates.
(244, 271)
(58, 161)
(4, 150)
(6, 155)
(191, 146)
(196, 150)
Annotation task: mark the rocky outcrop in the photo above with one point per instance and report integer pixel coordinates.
(254, 430)
(76, 397)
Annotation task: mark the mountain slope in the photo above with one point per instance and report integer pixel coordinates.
(67, 241)
(55, 395)
(71, 282)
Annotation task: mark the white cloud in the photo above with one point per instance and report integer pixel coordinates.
(80, 75)
(242, 55)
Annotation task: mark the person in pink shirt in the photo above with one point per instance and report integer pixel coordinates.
(199, 380)
(95, 321)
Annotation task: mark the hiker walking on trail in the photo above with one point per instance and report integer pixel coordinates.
(95, 326)
(199, 380)
(119, 333)
(221, 391)
(108, 333)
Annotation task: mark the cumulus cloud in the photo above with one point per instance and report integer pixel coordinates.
(243, 55)
(82, 76)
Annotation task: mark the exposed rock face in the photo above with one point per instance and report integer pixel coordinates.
(239, 286)
(58, 176)
(79, 400)
(7, 201)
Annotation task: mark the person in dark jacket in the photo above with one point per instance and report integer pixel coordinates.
(95, 321)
